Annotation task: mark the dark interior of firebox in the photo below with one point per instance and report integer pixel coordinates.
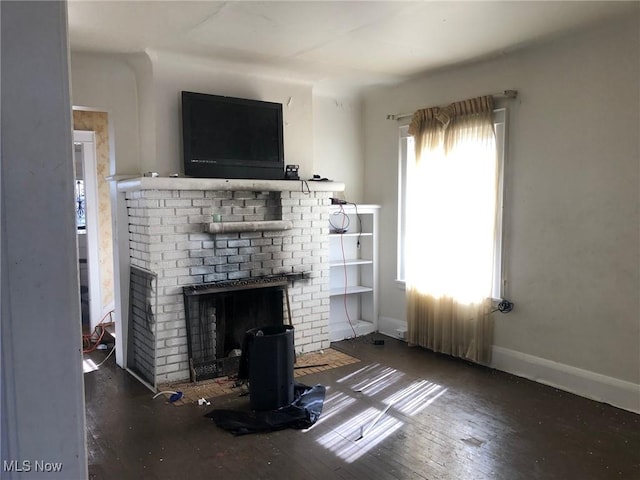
(217, 324)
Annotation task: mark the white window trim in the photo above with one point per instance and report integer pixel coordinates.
(500, 121)
(405, 146)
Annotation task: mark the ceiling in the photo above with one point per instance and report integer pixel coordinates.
(348, 43)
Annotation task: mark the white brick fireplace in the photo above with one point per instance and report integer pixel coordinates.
(187, 231)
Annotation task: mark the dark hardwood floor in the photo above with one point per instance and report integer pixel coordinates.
(421, 416)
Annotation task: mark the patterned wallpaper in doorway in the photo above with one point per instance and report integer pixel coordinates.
(98, 123)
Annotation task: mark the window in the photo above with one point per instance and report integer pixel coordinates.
(81, 211)
(406, 155)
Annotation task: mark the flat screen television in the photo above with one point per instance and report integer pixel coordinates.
(227, 137)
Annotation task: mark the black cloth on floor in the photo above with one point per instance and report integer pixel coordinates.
(303, 412)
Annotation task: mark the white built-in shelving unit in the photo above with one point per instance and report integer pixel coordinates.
(353, 263)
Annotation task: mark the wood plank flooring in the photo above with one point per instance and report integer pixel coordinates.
(423, 416)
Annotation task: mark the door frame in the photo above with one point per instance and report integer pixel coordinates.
(86, 140)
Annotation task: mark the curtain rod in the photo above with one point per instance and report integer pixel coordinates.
(510, 94)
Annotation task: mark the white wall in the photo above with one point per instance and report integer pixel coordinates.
(174, 73)
(42, 394)
(338, 142)
(141, 92)
(146, 128)
(571, 218)
(107, 83)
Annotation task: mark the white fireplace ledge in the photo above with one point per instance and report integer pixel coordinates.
(218, 184)
(251, 226)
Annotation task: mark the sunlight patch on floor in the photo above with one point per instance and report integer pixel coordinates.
(345, 440)
(333, 405)
(361, 371)
(88, 365)
(415, 398)
(366, 429)
(372, 379)
(383, 379)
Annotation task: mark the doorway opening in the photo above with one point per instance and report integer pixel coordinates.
(94, 224)
(85, 195)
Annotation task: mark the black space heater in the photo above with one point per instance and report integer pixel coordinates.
(268, 357)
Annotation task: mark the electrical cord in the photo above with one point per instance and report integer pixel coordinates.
(345, 222)
(505, 306)
(355, 205)
(106, 358)
(341, 229)
(344, 264)
(88, 338)
(175, 395)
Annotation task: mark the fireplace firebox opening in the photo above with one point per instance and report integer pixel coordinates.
(218, 315)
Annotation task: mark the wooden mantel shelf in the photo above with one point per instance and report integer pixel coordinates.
(254, 226)
(223, 184)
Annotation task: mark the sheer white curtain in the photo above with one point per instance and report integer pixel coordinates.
(451, 215)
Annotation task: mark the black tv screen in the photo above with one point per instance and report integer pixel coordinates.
(227, 137)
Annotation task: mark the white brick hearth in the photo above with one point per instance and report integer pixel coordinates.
(169, 224)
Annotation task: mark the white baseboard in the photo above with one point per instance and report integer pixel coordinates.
(616, 392)
(343, 330)
(388, 326)
(619, 393)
